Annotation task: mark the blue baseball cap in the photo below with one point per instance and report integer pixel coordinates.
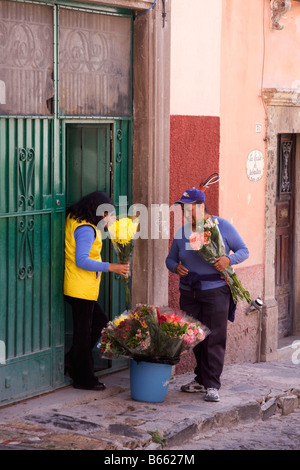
(191, 195)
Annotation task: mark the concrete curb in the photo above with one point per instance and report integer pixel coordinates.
(283, 404)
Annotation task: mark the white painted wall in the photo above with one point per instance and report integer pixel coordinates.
(195, 57)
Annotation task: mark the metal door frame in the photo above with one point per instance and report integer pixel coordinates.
(115, 155)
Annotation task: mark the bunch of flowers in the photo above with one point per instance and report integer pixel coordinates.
(151, 334)
(122, 234)
(208, 242)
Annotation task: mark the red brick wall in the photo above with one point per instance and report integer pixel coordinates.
(194, 155)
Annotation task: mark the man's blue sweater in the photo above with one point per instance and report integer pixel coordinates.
(181, 251)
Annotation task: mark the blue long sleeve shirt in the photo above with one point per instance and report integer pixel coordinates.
(84, 238)
(181, 251)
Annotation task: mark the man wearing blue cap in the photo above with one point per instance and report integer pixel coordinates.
(204, 295)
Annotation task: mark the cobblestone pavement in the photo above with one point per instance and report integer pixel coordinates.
(253, 396)
(276, 433)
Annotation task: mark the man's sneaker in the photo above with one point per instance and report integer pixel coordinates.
(193, 387)
(212, 395)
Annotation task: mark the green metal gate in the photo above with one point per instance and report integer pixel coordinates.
(31, 236)
(49, 96)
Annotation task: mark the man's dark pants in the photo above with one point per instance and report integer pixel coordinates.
(211, 308)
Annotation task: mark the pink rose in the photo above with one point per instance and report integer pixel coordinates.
(196, 240)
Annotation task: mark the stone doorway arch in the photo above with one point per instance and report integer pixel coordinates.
(283, 109)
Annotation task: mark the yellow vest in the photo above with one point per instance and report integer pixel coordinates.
(78, 282)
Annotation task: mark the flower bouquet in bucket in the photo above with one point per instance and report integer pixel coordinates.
(122, 233)
(151, 334)
(155, 339)
(208, 242)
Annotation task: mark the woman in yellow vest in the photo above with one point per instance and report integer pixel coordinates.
(83, 270)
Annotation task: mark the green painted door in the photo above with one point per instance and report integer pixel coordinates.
(98, 158)
(31, 216)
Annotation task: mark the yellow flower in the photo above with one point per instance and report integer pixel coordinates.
(122, 317)
(123, 230)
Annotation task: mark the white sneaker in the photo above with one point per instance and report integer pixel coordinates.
(212, 394)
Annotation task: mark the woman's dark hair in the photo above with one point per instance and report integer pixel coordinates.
(86, 208)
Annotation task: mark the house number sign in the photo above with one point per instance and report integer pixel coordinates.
(255, 165)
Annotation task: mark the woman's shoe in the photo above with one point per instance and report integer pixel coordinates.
(96, 387)
(68, 371)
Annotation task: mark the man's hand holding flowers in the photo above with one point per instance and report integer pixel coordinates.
(222, 263)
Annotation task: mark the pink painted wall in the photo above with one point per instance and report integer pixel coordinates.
(242, 201)
(282, 51)
(218, 132)
(195, 57)
(253, 57)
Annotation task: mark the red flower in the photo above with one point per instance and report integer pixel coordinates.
(173, 318)
(161, 318)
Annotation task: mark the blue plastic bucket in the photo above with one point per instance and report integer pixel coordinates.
(149, 381)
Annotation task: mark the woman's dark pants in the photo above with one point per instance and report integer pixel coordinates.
(88, 321)
(211, 308)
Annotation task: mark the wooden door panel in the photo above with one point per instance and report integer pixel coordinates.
(284, 235)
(283, 265)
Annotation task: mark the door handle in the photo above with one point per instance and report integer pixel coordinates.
(59, 202)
